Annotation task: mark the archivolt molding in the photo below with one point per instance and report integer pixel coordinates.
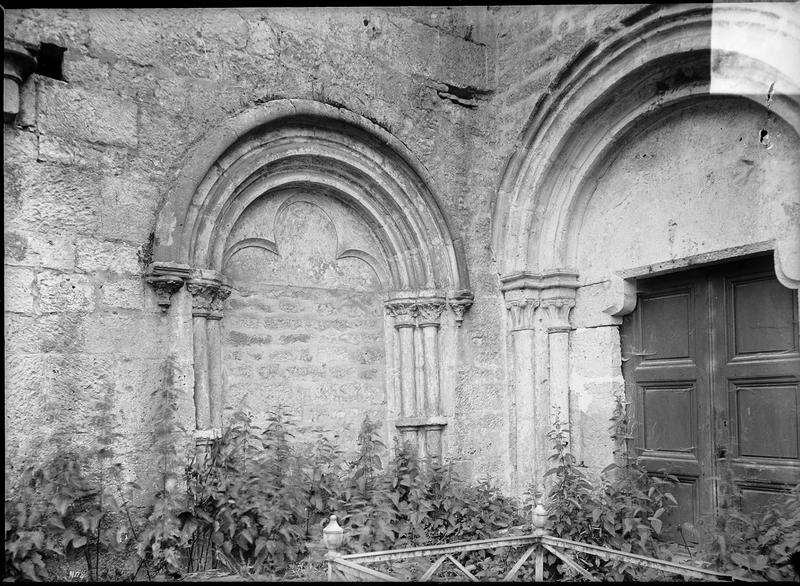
(658, 64)
(307, 144)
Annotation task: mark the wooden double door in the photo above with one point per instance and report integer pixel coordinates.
(712, 367)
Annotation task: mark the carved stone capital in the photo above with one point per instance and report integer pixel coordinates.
(460, 302)
(209, 292)
(403, 311)
(218, 301)
(556, 311)
(166, 279)
(521, 305)
(429, 311)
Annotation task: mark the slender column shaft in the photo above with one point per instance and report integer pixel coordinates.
(419, 373)
(557, 309)
(216, 400)
(559, 376)
(408, 387)
(209, 291)
(201, 390)
(430, 334)
(524, 409)
(525, 433)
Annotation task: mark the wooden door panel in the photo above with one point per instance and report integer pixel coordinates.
(712, 356)
(758, 380)
(765, 420)
(668, 419)
(676, 373)
(666, 326)
(760, 317)
(675, 520)
(756, 497)
(662, 353)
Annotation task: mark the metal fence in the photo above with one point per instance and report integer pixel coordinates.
(417, 566)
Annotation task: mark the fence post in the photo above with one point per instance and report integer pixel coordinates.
(539, 521)
(332, 537)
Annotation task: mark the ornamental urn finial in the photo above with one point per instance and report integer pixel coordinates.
(539, 515)
(332, 535)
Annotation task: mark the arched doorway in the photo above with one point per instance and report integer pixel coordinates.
(297, 205)
(561, 234)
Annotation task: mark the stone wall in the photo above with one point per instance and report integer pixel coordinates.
(92, 159)
(304, 328)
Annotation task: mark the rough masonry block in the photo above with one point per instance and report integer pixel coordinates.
(59, 292)
(33, 249)
(19, 289)
(97, 255)
(76, 112)
(123, 293)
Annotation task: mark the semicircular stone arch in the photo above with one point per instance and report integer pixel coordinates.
(610, 89)
(663, 66)
(235, 221)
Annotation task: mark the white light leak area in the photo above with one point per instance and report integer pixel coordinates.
(768, 32)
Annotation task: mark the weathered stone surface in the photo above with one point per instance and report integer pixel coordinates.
(35, 334)
(54, 199)
(124, 294)
(34, 249)
(71, 151)
(19, 290)
(60, 292)
(75, 112)
(722, 172)
(95, 256)
(595, 351)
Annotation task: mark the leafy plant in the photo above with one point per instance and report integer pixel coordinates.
(71, 506)
(753, 545)
(166, 535)
(27, 543)
(624, 512)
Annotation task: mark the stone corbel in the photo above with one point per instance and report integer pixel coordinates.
(621, 296)
(787, 258)
(18, 64)
(166, 279)
(459, 302)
